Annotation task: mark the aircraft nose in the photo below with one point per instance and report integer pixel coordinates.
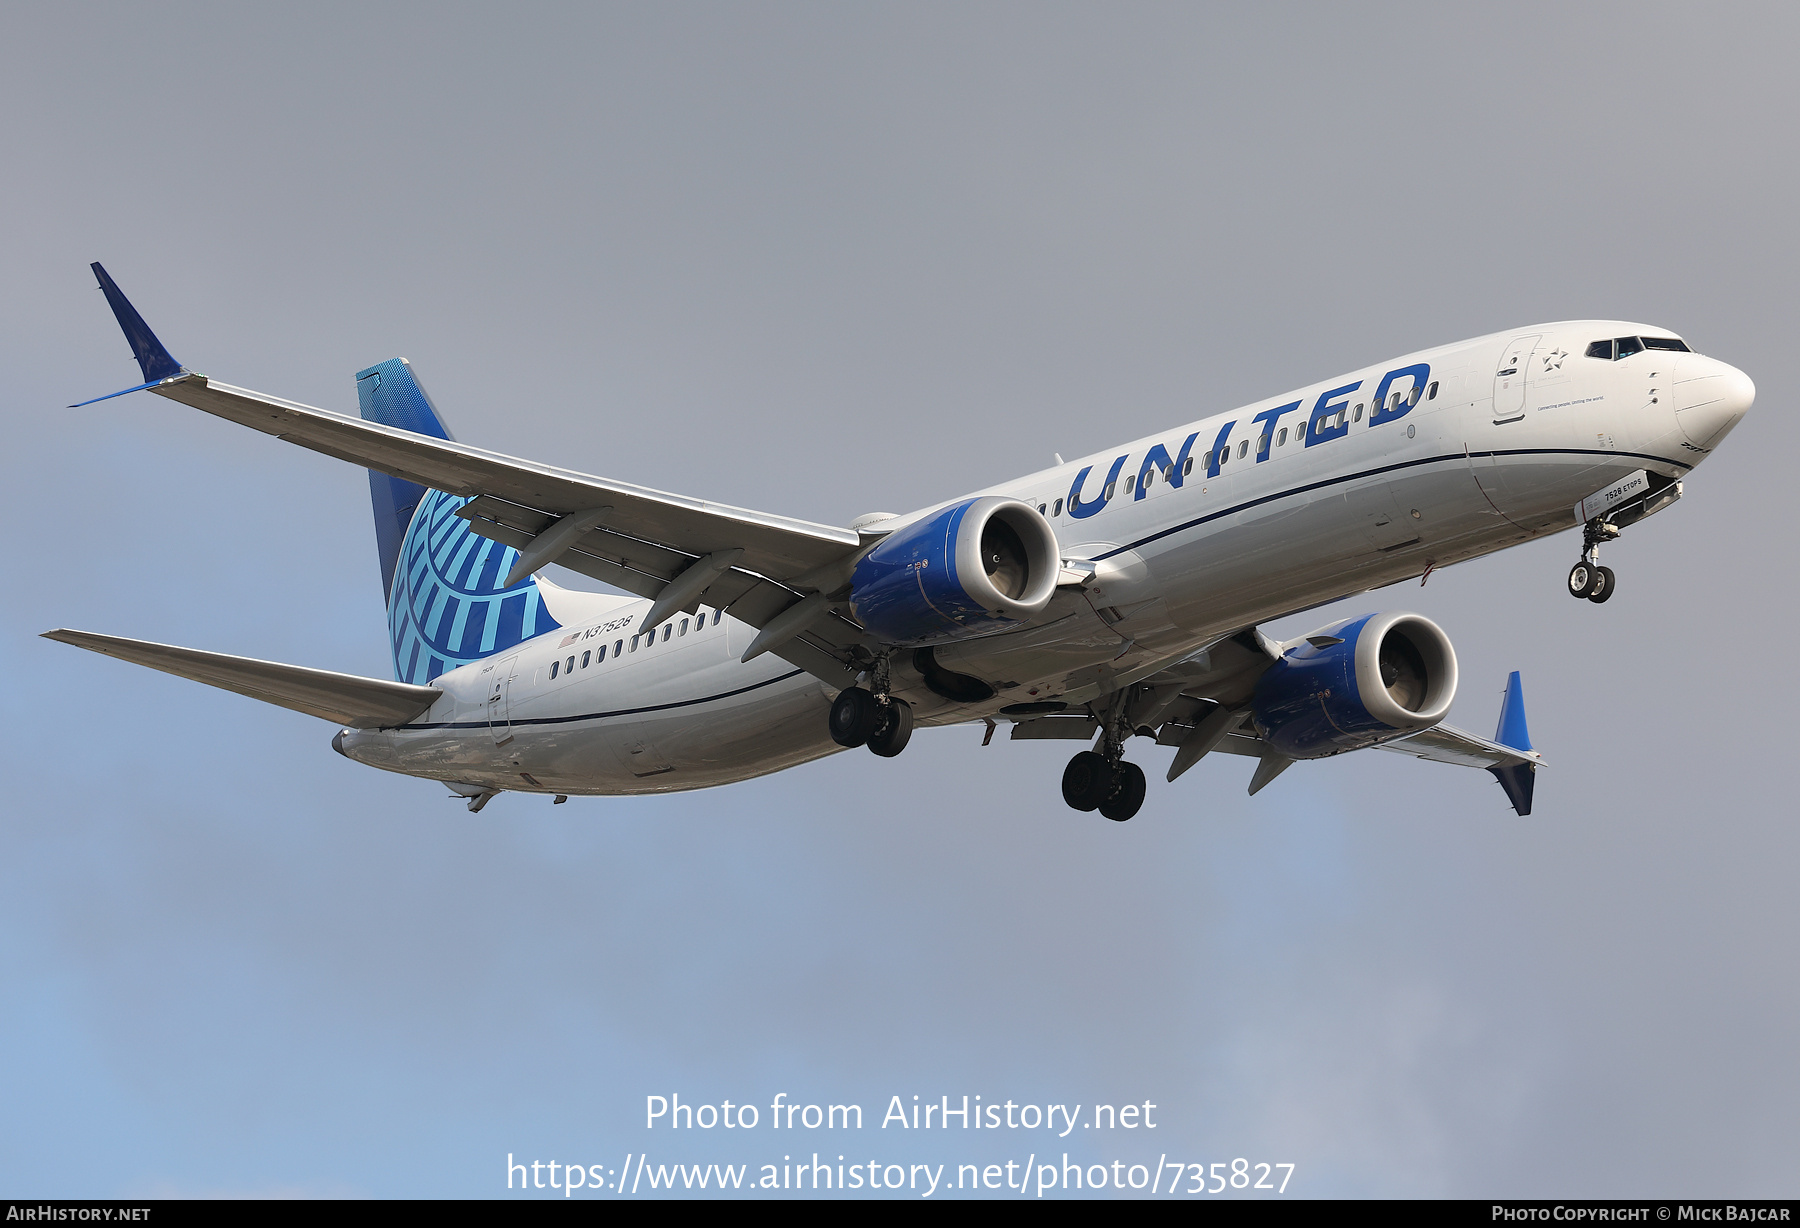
(1710, 397)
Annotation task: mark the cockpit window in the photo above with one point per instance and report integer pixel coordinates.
(1625, 347)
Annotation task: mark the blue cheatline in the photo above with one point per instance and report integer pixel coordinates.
(446, 606)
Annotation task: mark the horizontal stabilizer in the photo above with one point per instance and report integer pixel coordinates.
(345, 699)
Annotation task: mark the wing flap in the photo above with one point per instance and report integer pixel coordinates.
(345, 699)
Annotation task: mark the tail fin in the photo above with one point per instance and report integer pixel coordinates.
(1517, 779)
(446, 599)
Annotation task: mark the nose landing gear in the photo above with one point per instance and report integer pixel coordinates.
(1587, 578)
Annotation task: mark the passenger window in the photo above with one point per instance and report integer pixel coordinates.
(1187, 466)
(1394, 401)
(1629, 346)
(717, 615)
(1356, 414)
(1108, 492)
(1412, 398)
(1224, 455)
(1243, 449)
(1281, 437)
(1340, 417)
(618, 644)
(554, 666)
(668, 629)
(634, 643)
(1130, 481)
(1262, 444)
(570, 667)
(1666, 343)
(1040, 509)
(1056, 508)
(1601, 349)
(600, 655)
(1149, 478)
(585, 658)
(684, 623)
(1431, 392)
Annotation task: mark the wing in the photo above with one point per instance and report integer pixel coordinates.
(1202, 703)
(345, 699)
(758, 566)
(1447, 744)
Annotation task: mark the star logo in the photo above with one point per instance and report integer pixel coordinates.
(1553, 360)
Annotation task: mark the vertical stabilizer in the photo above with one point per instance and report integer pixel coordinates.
(445, 585)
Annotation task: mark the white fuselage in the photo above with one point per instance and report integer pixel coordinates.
(1507, 433)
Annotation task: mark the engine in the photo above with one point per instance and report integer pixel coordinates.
(974, 568)
(1356, 683)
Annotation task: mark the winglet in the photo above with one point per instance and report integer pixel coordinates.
(1518, 778)
(152, 356)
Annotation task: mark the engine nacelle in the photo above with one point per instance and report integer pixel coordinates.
(1356, 683)
(974, 568)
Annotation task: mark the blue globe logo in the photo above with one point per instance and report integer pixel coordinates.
(447, 607)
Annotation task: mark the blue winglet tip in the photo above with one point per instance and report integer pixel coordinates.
(1517, 779)
(1512, 731)
(152, 356)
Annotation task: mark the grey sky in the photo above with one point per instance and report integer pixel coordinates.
(823, 260)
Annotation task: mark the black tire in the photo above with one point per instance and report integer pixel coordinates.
(1088, 781)
(1583, 578)
(1128, 797)
(854, 716)
(1603, 587)
(896, 729)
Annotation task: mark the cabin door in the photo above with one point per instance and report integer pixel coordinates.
(1509, 378)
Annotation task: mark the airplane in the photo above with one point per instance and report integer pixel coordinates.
(1114, 597)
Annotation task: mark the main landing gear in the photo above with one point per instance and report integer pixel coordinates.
(872, 718)
(1116, 790)
(1102, 780)
(1587, 578)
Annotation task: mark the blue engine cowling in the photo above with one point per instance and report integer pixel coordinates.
(1356, 683)
(973, 568)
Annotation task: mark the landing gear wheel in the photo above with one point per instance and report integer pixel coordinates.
(1584, 577)
(1088, 780)
(1603, 585)
(895, 731)
(855, 717)
(1128, 797)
